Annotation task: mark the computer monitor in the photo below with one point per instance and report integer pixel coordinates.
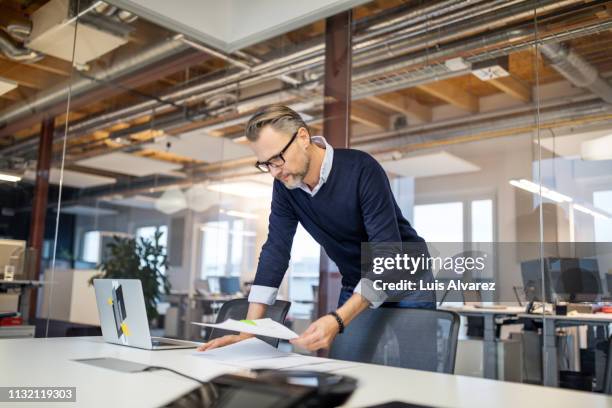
(567, 279)
(229, 285)
(12, 256)
(576, 280)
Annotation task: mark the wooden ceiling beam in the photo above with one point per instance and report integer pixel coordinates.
(404, 105)
(28, 76)
(513, 87)
(452, 94)
(138, 78)
(369, 117)
(166, 156)
(48, 64)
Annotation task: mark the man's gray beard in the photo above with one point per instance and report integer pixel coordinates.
(299, 177)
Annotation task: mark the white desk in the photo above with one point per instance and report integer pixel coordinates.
(489, 350)
(48, 362)
(550, 372)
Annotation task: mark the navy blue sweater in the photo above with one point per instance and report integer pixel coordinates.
(354, 205)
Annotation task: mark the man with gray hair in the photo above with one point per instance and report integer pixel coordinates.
(342, 197)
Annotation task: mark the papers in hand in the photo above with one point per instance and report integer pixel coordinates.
(255, 353)
(245, 350)
(261, 327)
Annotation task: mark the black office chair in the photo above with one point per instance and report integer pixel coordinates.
(237, 309)
(607, 386)
(421, 339)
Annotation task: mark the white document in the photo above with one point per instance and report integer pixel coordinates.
(255, 353)
(242, 351)
(262, 327)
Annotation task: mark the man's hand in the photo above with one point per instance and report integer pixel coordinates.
(320, 334)
(224, 341)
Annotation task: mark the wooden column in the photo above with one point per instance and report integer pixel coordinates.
(336, 128)
(39, 204)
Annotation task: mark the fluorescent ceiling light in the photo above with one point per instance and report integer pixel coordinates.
(241, 214)
(9, 177)
(589, 211)
(429, 165)
(87, 210)
(250, 189)
(597, 149)
(537, 188)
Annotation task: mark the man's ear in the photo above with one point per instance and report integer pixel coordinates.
(303, 137)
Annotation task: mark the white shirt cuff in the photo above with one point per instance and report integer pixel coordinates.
(263, 294)
(366, 289)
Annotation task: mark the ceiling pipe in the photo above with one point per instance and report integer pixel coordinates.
(306, 58)
(59, 93)
(18, 112)
(577, 70)
(407, 139)
(189, 92)
(107, 119)
(16, 52)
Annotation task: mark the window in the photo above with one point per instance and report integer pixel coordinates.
(482, 221)
(457, 221)
(91, 247)
(148, 232)
(215, 235)
(603, 226)
(227, 248)
(440, 222)
(303, 272)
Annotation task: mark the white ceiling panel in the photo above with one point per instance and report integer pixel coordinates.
(427, 165)
(128, 164)
(74, 179)
(572, 145)
(86, 210)
(233, 24)
(137, 201)
(199, 145)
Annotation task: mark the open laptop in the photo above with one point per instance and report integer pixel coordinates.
(123, 316)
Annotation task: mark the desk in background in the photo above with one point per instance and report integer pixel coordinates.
(49, 362)
(489, 315)
(550, 372)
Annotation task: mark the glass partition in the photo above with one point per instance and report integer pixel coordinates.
(35, 98)
(490, 119)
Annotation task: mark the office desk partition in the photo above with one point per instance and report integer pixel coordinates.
(50, 362)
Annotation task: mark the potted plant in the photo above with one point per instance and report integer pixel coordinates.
(143, 259)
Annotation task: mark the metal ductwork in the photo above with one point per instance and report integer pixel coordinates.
(15, 51)
(577, 70)
(19, 30)
(79, 86)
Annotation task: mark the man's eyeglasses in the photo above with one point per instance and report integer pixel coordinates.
(276, 160)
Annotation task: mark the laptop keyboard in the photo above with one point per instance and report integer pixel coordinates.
(158, 343)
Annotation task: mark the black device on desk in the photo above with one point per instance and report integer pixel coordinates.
(270, 388)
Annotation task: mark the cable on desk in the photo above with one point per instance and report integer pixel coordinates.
(202, 396)
(155, 368)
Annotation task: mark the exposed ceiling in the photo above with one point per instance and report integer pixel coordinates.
(412, 85)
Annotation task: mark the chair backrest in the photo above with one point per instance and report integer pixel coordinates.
(237, 309)
(421, 339)
(607, 386)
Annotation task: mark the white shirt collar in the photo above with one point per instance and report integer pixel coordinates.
(325, 166)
